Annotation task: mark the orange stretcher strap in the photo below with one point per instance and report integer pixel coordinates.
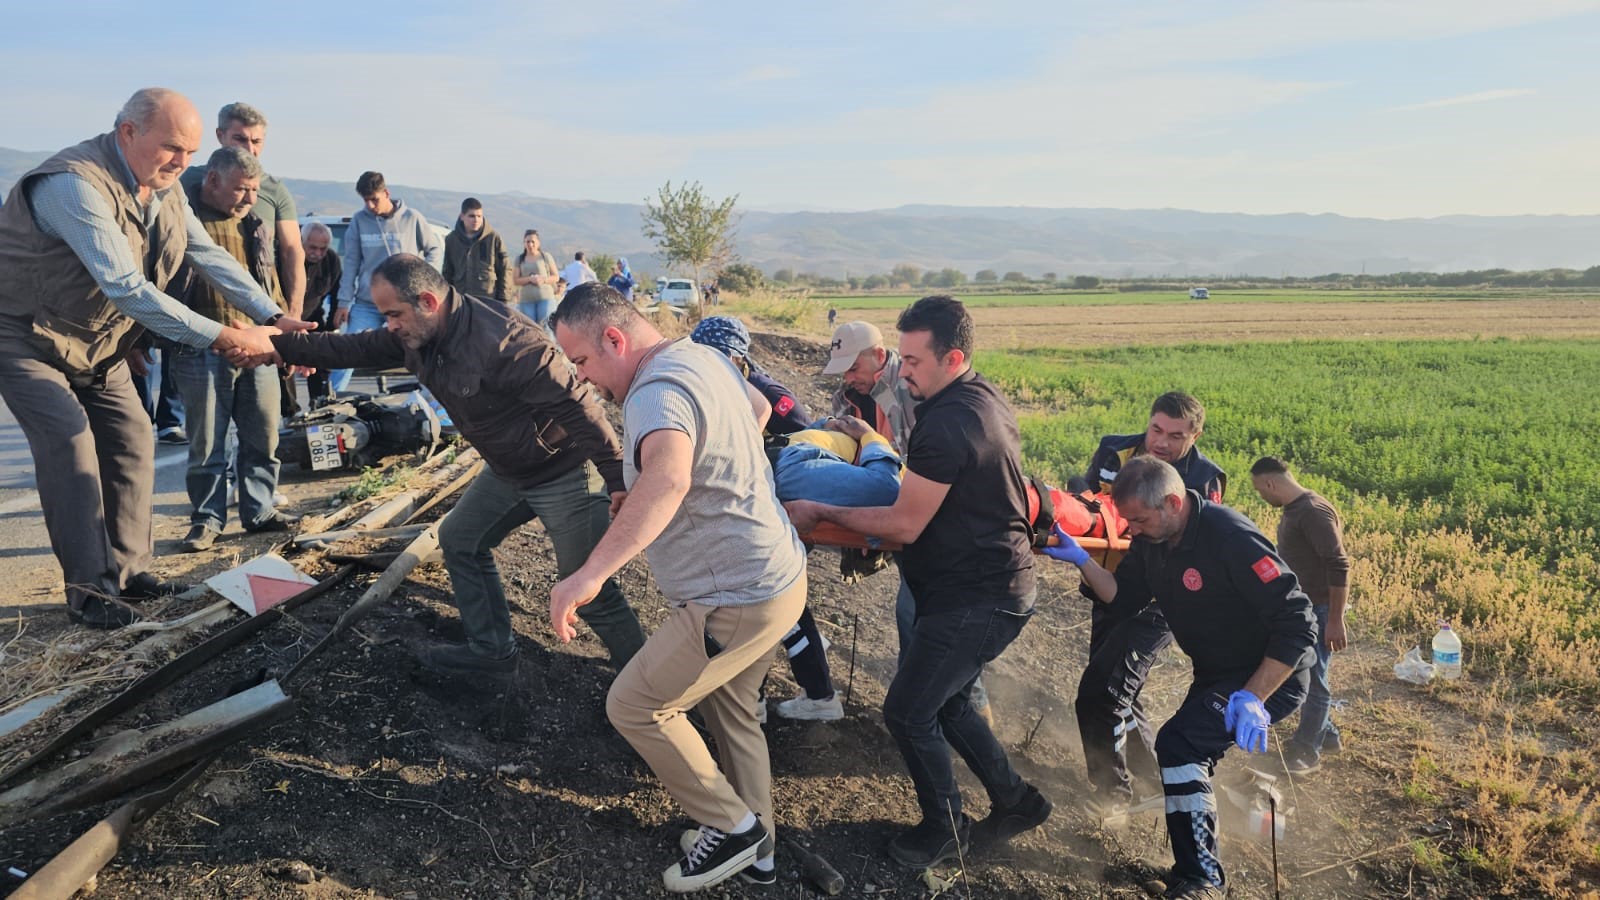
(829, 534)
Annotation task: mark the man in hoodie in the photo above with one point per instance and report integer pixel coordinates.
(475, 258)
(382, 227)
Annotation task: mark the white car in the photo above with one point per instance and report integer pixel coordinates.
(679, 292)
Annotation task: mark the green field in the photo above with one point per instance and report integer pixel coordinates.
(1435, 450)
(1145, 298)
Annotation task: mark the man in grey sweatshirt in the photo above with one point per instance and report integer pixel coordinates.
(382, 227)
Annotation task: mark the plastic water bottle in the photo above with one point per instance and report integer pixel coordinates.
(1447, 653)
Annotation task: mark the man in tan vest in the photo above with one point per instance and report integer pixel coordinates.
(88, 241)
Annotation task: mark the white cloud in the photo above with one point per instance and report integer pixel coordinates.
(1462, 99)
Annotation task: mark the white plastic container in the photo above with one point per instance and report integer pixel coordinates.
(1447, 653)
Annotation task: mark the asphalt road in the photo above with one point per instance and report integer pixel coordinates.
(30, 577)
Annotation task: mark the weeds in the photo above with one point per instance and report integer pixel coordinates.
(375, 481)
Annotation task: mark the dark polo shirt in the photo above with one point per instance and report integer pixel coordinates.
(976, 549)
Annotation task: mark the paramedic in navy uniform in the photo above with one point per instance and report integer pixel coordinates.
(1237, 611)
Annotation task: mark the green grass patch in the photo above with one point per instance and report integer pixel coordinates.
(1466, 469)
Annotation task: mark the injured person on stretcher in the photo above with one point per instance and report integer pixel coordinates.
(843, 462)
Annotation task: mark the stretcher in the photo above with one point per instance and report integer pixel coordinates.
(1089, 519)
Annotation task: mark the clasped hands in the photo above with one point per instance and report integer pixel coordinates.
(249, 346)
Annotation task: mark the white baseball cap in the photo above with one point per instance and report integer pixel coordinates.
(849, 340)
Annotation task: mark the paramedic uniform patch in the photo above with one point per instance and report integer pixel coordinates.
(1266, 569)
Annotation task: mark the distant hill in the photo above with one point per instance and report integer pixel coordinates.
(1116, 243)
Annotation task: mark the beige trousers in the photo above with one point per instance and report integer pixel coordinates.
(675, 672)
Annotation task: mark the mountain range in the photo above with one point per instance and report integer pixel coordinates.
(1117, 243)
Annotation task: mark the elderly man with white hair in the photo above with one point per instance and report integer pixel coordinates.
(88, 241)
(324, 269)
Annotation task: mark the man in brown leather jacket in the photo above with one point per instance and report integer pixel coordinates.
(550, 451)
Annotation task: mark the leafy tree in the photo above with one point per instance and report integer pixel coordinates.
(741, 278)
(601, 263)
(873, 282)
(906, 274)
(1050, 277)
(1085, 282)
(783, 276)
(985, 276)
(945, 278)
(1014, 277)
(691, 229)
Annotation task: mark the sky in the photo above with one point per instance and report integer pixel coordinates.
(1413, 108)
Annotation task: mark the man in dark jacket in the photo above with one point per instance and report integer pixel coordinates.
(1118, 741)
(1239, 614)
(475, 258)
(543, 435)
(324, 269)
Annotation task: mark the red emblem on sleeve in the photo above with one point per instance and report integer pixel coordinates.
(783, 406)
(1192, 579)
(1266, 569)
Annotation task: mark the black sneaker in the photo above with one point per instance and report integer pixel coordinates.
(931, 843)
(1194, 889)
(1004, 823)
(752, 875)
(199, 539)
(715, 857)
(99, 612)
(1301, 760)
(145, 586)
(461, 659)
(277, 521)
(172, 436)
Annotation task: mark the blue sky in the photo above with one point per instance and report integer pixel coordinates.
(1395, 109)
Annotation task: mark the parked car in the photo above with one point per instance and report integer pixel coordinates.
(1199, 294)
(340, 224)
(679, 292)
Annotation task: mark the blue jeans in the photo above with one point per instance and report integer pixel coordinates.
(215, 395)
(363, 317)
(1316, 725)
(905, 620)
(928, 708)
(538, 310)
(158, 393)
(808, 472)
(574, 509)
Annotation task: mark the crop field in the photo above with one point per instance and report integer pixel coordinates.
(1484, 442)
(1218, 296)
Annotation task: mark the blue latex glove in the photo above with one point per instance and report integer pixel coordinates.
(1248, 720)
(1068, 550)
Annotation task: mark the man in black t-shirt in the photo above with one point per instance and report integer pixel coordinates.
(962, 514)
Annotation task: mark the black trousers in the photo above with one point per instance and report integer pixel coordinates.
(1188, 748)
(1118, 741)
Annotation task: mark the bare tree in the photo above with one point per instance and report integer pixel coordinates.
(691, 229)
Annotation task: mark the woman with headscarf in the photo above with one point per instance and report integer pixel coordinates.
(622, 279)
